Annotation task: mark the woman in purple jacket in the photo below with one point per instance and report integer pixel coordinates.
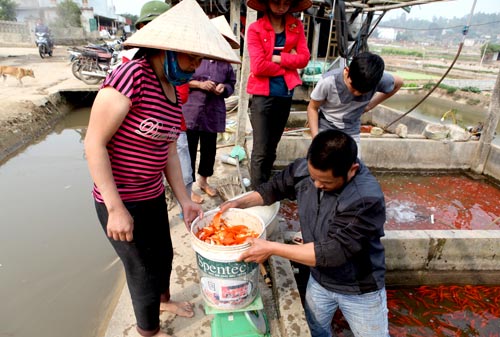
(277, 48)
(205, 115)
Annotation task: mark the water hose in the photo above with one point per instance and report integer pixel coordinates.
(465, 30)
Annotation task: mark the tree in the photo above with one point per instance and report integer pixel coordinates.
(8, 10)
(69, 14)
(490, 48)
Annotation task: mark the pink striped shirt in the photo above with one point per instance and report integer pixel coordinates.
(139, 149)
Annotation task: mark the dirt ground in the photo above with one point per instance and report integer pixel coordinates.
(27, 110)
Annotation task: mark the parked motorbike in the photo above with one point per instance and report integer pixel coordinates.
(44, 44)
(74, 59)
(92, 63)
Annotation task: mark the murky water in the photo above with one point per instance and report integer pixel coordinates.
(58, 273)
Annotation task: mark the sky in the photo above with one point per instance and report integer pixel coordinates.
(448, 9)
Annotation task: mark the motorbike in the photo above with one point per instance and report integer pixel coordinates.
(74, 56)
(92, 63)
(44, 44)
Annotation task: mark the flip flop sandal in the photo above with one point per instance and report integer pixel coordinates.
(195, 197)
(212, 192)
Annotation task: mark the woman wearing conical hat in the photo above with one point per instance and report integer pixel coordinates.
(277, 48)
(131, 146)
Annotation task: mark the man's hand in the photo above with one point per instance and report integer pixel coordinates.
(259, 251)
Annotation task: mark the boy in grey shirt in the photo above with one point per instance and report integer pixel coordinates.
(343, 95)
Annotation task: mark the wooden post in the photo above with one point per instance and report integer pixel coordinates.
(234, 22)
(234, 19)
(315, 44)
(245, 71)
(484, 147)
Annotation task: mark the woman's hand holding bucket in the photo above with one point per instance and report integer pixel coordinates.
(191, 210)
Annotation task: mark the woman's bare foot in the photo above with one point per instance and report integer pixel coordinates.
(183, 309)
(212, 192)
(195, 197)
(205, 187)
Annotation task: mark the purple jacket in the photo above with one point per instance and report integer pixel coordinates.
(205, 111)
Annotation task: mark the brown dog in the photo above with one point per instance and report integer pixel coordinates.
(17, 72)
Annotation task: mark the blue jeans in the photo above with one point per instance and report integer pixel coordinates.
(185, 159)
(365, 313)
(324, 124)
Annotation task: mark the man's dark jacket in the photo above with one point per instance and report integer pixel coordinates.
(345, 225)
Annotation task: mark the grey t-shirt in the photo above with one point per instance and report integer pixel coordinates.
(342, 109)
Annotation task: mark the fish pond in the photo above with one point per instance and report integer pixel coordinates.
(438, 200)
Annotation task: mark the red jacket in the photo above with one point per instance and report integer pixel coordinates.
(261, 39)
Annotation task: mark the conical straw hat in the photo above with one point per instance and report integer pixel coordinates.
(184, 28)
(221, 23)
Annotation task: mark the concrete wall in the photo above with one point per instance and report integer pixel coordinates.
(416, 154)
(13, 33)
(492, 167)
(382, 116)
(22, 34)
(434, 256)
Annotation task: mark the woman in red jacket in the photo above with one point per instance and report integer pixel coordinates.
(277, 47)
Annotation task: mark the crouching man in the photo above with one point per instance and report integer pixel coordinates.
(342, 214)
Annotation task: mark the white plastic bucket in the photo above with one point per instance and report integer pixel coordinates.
(224, 282)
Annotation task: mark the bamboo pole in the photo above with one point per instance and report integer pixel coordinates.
(245, 71)
(234, 22)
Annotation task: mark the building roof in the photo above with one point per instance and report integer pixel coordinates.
(384, 5)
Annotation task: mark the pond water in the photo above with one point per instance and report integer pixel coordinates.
(444, 311)
(439, 201)
(58, 273)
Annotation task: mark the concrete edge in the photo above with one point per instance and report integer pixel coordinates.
(290, 311)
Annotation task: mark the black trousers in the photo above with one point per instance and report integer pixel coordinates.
(208, 148)
(147, 259)
(268, 116)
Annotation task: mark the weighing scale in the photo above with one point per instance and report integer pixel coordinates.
(249, 321)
